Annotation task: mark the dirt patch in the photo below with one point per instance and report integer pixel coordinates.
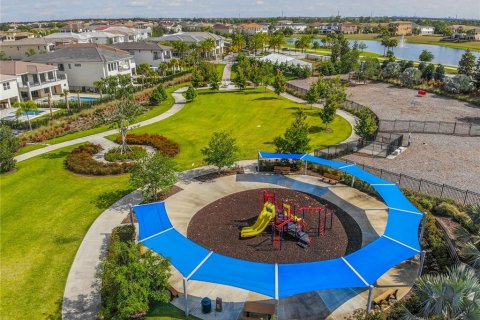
(217, 227)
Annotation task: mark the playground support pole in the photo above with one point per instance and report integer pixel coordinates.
(422, 261)
(130, 213)
(370, 297)
(422, 230)
(306, 166)
(187, 311)
(258, 161)
(353, 181)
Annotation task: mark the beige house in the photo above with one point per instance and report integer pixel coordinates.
(34, 80)
(252, 28)
(401, 28)
(348, 28)
(8, 91)
(21, 49)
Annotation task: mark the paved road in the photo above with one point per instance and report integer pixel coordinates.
(179, 104)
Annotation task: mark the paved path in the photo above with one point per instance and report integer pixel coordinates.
(179, 104)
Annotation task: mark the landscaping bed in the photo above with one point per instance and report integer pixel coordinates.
(217, 227)
(133, 153)
(80, 161)
(164, 145)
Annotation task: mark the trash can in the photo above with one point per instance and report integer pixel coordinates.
(218, 305)
(206, 305)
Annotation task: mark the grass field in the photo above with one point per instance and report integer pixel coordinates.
(254, 118)
(153, 112)
(167, 311)
(45, 213)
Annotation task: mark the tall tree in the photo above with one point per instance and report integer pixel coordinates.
(240, 80)
(476, 76)
(466, 65)
(365, 124)
(221, 150)
(124, 113)
(25, 108)
(207, 47)
(238, 42)
(439, 74)
(312, 95)
(100, 86)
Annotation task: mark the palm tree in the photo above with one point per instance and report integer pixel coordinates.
(238, 42)
(163, 67)
(207, 46)
(455, 295)
(65, 95)
(173, 64)
(180, 48)
(100, 86)
(25, 108)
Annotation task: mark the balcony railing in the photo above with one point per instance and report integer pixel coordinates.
(32, 84)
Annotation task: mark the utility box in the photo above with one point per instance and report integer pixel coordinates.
(218, 305)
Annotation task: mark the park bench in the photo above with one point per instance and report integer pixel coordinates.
(173, 293)
(257, 310)
(330, 178)
(281, 170)
(385, 297)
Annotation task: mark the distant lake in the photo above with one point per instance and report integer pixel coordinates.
(411, 51)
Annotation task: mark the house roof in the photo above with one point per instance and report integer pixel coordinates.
(82, 52)
(26, 41)
(280, 58)
(6, 77)
(188, 37)
(250, 25)
(15, 67)
(141, 46)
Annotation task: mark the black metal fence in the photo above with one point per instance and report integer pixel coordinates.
(427, 187)
(382, 145)
(436, 127)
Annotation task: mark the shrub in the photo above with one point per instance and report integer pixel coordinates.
(411, 77)
(123, 233)
(164, 145)
(134, 153)
(8, 147)
(80, 161)
(458, 84)
(391, 70)
(446, 209)
(438, 260)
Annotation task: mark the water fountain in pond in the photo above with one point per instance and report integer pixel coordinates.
(402, 42)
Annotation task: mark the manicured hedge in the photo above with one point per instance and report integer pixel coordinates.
(164, 145)
(80, 161)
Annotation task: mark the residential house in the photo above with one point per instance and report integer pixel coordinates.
(86, 63)
(223, 28)
(172, 27)
(34, 80)
(59, 38)
(401, 28)
(252, 28)
(463, 32)
(73, 26)
(15, 35)
(150, 53)
(21, 49)
(348, 28)
(9, 91)
(425, 30)
(327, 28)
(194, 37)
(197, 26)
(297, 27)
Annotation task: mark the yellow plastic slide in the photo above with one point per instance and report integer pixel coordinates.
(267, 214)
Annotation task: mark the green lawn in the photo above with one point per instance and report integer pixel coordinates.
(254, 117)
(45, 213)
(220, 68)
(155, 111)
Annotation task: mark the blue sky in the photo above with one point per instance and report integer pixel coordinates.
(30, 10)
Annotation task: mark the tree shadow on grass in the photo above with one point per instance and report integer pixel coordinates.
(55, 155)
(316, 129)
(266, 98)
(106, 199)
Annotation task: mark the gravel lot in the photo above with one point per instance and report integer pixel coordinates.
(390, 103)
(451, 160)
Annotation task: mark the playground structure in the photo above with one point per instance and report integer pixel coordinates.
(285, 219)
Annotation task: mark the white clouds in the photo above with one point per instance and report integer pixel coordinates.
(55, 9)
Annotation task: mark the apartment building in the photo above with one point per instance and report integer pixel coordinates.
(401, 28)
(21, 49)
(8, 91)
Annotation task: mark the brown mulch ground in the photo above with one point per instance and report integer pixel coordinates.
(175, 189)
(217, 227)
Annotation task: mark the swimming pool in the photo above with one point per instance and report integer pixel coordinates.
(32, 113)
(83, 99)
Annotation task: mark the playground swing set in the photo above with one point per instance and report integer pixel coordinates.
(287, 219)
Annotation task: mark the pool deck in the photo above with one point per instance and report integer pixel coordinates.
(10, 114)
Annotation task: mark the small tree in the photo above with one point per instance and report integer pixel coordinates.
(312, 95)
(428, 72)
(327, 114)
(215, 79)
(8, 147)
(65, 96)
(392, 70)
(154, 174)
(426, 56)
(124, 113)
(295, 138)
(25, 108)
(221, 150)
(466, 65)
(191, 93)
(476, 76)
(439, 74)
(158, 95)
(30, 52)
(365, 124)
(280, 83)
(100, 86)
(240, 80)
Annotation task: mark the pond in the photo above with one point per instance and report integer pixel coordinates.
(411, 51)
